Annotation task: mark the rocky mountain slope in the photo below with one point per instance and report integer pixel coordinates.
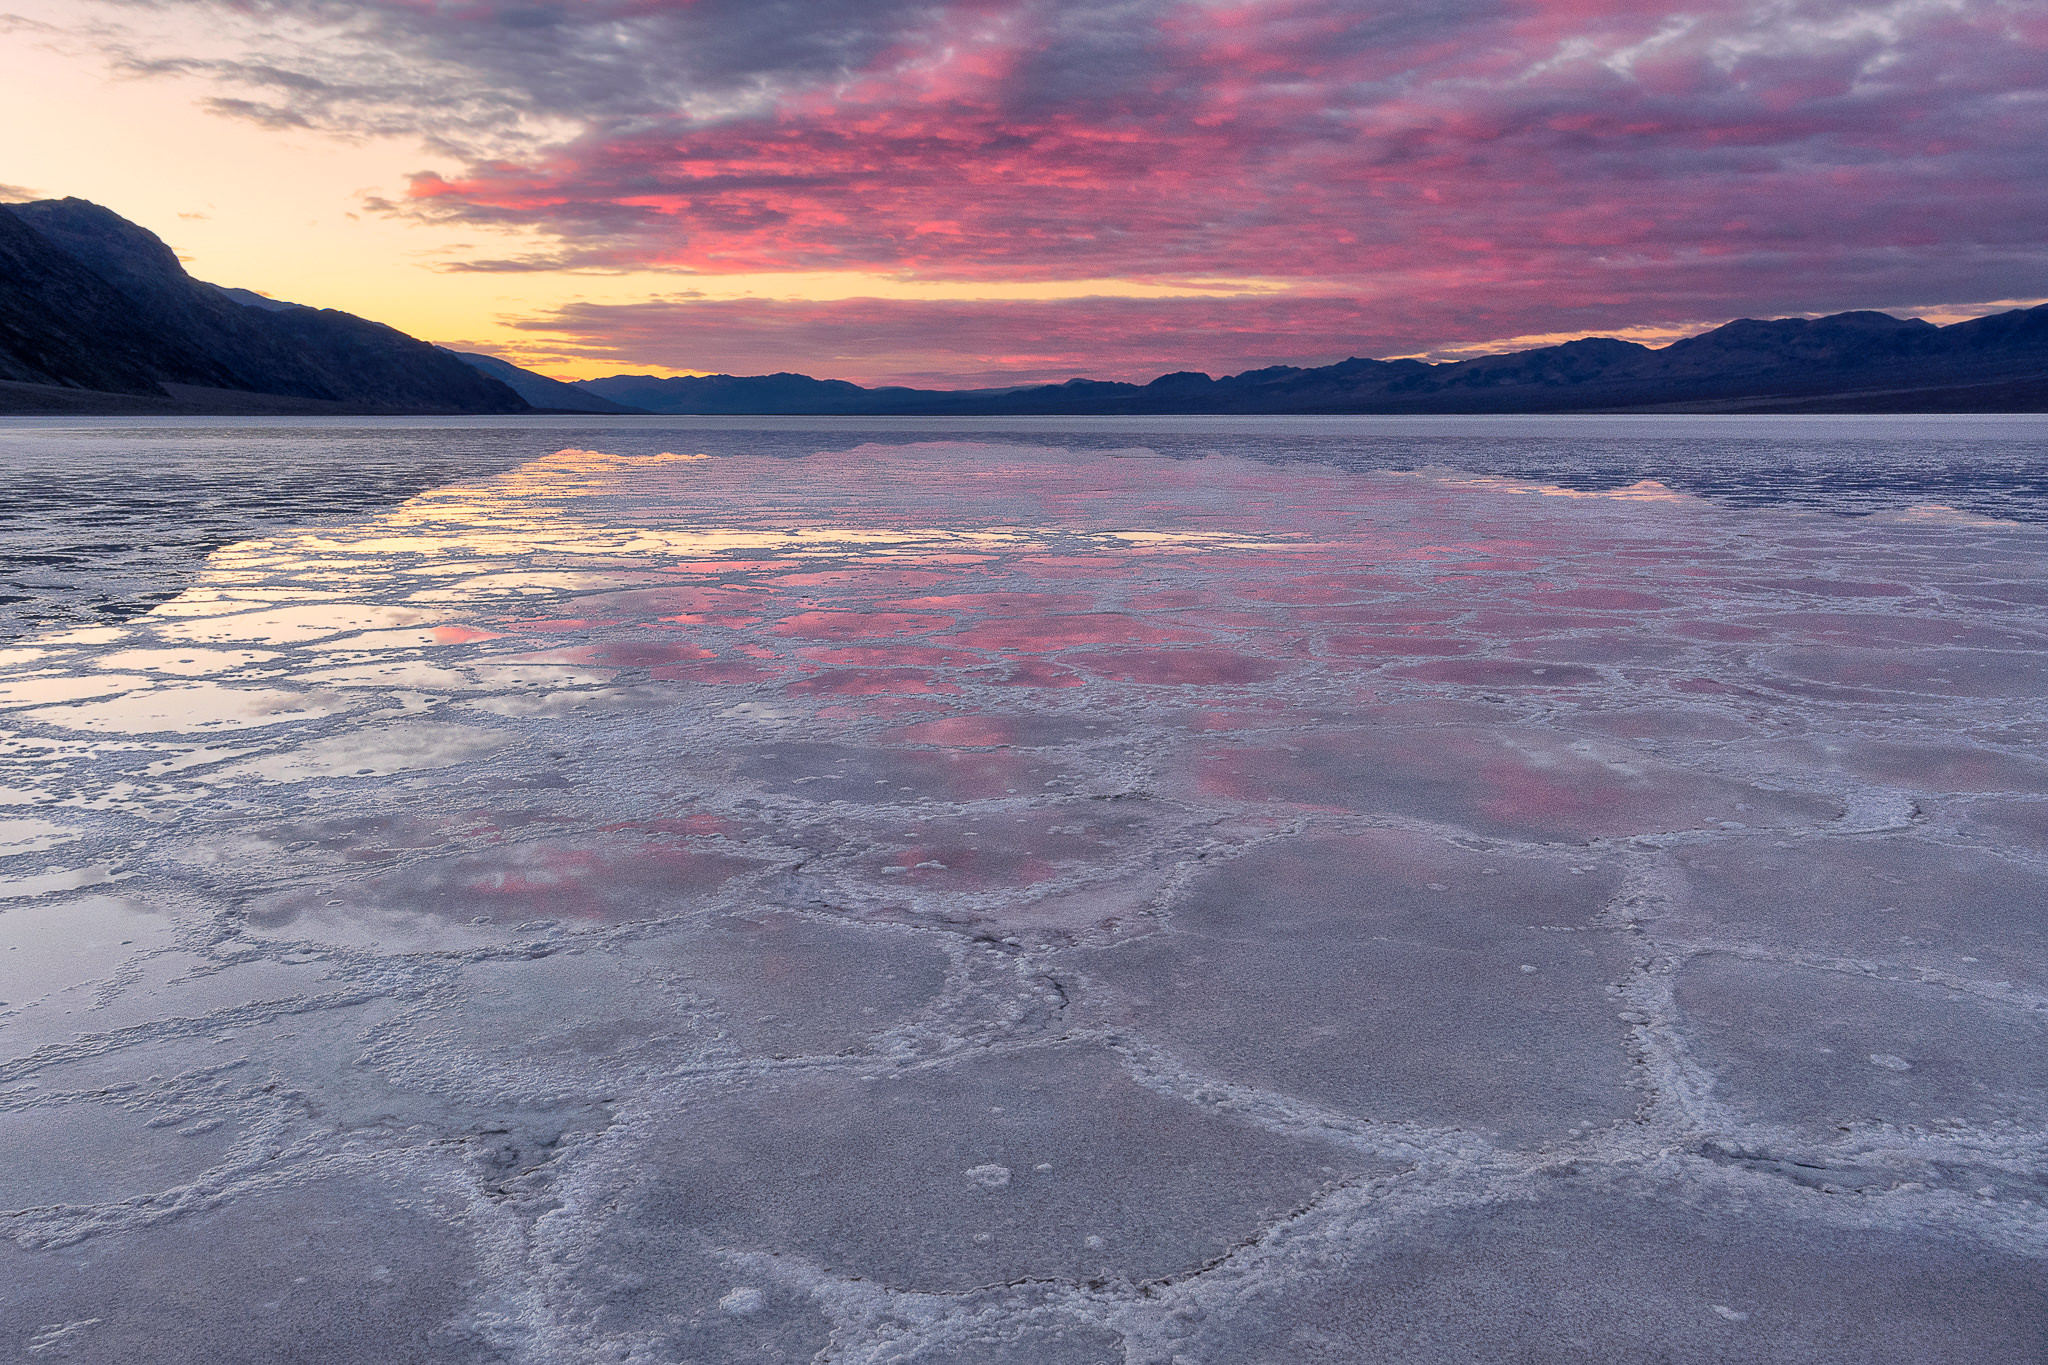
(91, 304)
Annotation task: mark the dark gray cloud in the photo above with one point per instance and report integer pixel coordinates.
(1579, 158)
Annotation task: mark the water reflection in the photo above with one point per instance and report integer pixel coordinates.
(103, 519)
(557, 844)
(888, 607)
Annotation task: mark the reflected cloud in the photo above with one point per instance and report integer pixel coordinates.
(855, 631)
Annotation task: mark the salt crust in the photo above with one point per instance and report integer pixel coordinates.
(963, 903)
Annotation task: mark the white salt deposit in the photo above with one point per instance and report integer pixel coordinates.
(973, 902)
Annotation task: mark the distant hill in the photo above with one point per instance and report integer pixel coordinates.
(545, 394)
(96, 313)
(1849, 362)
(784, 394)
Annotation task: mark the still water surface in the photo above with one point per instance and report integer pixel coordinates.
(103, 518)
(1219, 891)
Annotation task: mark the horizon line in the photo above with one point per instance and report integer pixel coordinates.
(1937, 315)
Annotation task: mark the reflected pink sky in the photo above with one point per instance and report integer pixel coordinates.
(977, 654)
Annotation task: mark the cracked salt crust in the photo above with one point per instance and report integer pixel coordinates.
(963, 902)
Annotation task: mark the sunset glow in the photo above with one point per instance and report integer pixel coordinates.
(981, 191)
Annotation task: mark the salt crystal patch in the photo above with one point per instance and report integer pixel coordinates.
(759, 711)
(743, 1302)
(32, 836)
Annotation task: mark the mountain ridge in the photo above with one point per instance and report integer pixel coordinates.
(94, 303)
(1862, 361)
(541, 392)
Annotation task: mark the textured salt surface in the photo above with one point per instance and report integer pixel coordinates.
(969, 903)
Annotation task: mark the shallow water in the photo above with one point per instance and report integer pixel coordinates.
(101, 519)
(1054, 902)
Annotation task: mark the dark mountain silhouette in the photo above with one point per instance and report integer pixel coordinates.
(785, 394)
(1849, 362)
(545, 394)
(249, 298)
(92, 304)
(61, 324)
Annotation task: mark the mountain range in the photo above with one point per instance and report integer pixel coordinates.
(1849, 362)
(98, 315)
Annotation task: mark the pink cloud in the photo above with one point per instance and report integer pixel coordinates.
(1471, 169)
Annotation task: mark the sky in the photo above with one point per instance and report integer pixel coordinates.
(961, 192)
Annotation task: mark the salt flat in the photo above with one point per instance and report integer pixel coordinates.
(983, 902)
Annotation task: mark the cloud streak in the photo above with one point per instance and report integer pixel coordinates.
(1466, 168)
